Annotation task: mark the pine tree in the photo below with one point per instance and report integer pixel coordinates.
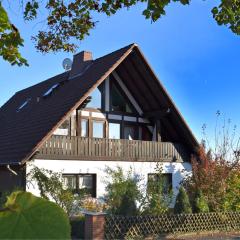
(182, 204)
(200, 204)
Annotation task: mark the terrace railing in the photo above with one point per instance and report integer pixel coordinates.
(65, 147)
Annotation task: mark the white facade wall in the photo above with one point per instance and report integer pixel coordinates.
(178, 170)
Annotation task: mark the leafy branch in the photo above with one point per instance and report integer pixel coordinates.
(68, 21)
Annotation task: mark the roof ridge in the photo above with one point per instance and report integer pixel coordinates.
(113, 52)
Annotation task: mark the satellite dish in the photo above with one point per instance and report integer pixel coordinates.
(67, 64)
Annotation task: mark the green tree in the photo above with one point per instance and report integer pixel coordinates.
(158, 195)
(67, 21)
(199, 203)
(25, 216)
(10, 40)
(214, 164)
(123, 192)
(182, 204)
(232, 195)
(51, 187)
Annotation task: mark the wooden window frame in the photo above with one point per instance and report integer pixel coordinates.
(97, 120)
(80, 123)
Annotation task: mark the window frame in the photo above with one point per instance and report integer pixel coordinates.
(115, 122)
(167, 191)
(136, 130)
(80, 126)
(112, 82)
(77, 190)
(103, 93)
(92, 120)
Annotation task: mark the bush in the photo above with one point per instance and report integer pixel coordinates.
(26, 216)
(93, 205)
(51, 187)
(158, 196)
(122, 191)
(182, 204)
(3, 198)
(232, 194)
(213, 165)
(77, 227)
(200, 204)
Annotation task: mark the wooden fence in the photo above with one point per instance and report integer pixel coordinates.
(123, 227)
(64, 147)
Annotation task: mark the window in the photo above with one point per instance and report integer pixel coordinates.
(64, 129)
(23, 104)
(84, 128)
(146, 134)
(130, 132)
(114, 130)
(98, 129)
(51, 89)
(81, 183)
(95, 100)
(69, 182)
(165, 178)
(119, 101)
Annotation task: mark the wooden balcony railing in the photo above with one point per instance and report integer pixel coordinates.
(78, 148)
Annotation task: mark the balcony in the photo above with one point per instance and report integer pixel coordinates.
(78, 148)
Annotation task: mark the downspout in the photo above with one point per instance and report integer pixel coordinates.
(11, 170)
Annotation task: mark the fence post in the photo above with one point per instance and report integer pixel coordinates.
(94, 226)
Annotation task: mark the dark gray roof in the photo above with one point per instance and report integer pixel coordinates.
(23, 131)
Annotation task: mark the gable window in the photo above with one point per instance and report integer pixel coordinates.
(84, 128)
(130, 132)
(98, 128)
(165, 178)
(81, 183)
(96, 99)
(63, 129)
(114, 130)
(119, 102)
(146, 134)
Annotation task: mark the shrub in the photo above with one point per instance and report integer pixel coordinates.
(213, 165)
(51, 187)
(122, 191)
(3, 198)
(232, 195)
(182, 204)
(199, 203)
(93, 205)
(158, 198)
(28, 217)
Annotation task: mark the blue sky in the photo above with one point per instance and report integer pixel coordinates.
(196, 60)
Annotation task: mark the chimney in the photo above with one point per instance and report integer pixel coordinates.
(80, 62)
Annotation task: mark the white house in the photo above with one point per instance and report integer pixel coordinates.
(104, 112)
